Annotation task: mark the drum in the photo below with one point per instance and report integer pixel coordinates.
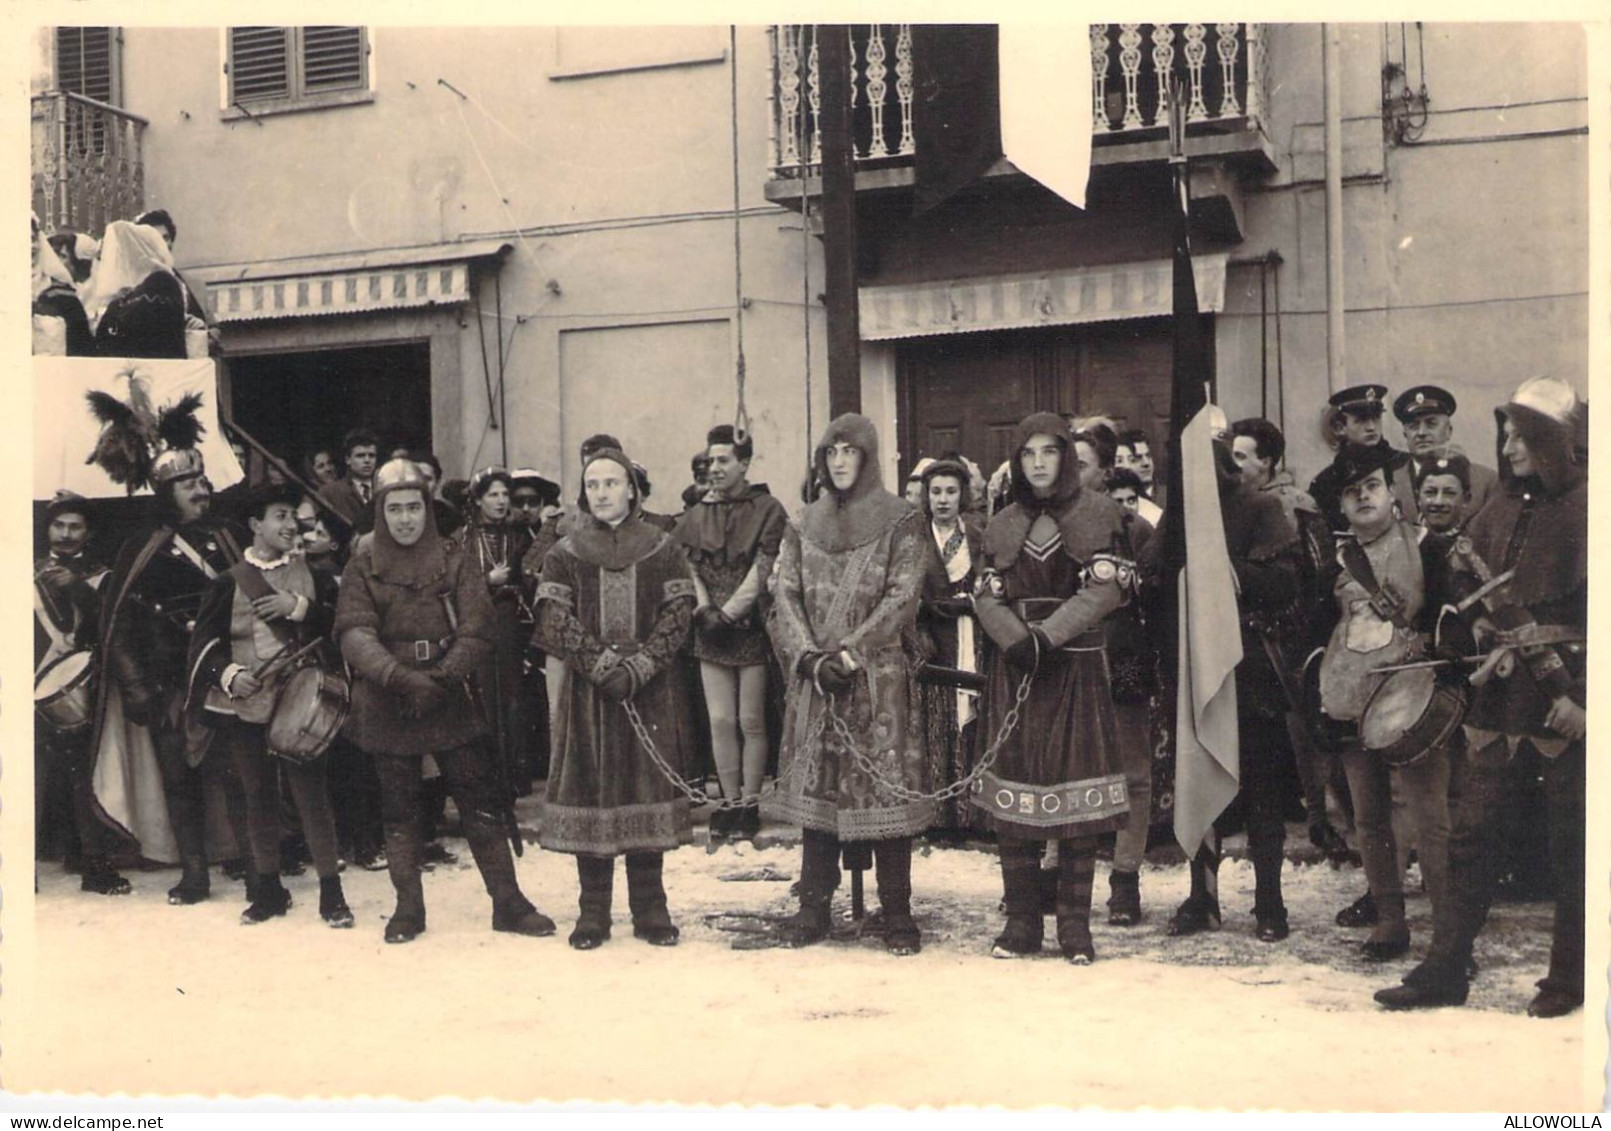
(308, 713)
(1409, 713)
(64, 693)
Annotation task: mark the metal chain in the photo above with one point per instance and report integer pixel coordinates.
(694, 793)
(957, 788)
(810, 748)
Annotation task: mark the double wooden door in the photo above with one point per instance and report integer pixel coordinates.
(967, 392)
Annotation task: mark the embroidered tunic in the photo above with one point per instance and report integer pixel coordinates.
(1060, 773)
(861, 600)
(611, 598)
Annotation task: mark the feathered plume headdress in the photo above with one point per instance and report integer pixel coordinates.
(135, 437)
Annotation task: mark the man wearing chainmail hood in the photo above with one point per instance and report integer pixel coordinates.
(849, 576)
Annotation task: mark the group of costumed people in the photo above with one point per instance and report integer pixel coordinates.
(898, 630)
(119, 296)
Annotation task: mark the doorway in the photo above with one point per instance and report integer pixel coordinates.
(296, 403)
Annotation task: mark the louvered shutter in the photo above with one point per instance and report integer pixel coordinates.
(84, 62)
(259, 63)
(332, 59)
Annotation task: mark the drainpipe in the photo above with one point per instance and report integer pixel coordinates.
(1331, 65)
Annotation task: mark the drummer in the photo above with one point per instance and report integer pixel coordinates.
(1381, 591)
(271, 604)
(67, 583)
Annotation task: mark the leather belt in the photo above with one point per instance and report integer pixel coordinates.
(420, 651)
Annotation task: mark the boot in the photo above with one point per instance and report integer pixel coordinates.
(333, 907)
(646, 896)
(1429, 984)
(512, 912)
(1270, 923)
(596, 875)
(193, 885)
(747, 826)
(1200, 912)
(1360, 913)
(1391, 938)
(1020, 882)
(1124, 899)
(102, 879)
(269, 900)
(720, 825)
(402, 862)
(892, 860)
(1046, 880)
(1076, 871)
(819, 876)
(1554, 1001)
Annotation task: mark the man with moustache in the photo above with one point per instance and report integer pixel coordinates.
(1427, 413)
(151, 602)
(66, 612)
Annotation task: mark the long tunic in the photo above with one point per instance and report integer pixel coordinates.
(1060, 773)
(629, 606)
(860, 600)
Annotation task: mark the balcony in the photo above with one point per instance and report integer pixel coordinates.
(1221, 69)
(88, 168)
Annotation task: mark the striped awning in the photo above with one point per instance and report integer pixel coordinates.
(1044, 298)
(390, 279)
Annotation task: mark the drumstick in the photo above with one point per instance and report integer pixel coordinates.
(280, 658)
(1431, 664)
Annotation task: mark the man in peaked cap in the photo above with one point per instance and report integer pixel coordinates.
(1356, 419)
(1427, 412)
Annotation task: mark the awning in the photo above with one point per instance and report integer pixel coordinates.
(1043, 298)
(351, 283)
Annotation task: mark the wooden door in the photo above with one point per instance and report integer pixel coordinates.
(967, 392)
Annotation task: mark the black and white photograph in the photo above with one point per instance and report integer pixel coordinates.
(1039, 564)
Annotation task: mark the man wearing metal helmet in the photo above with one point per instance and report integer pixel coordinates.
(149, 612)
(415, 623)
(1529, 693)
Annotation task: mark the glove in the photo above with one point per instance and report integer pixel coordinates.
(833, 675)
(616, 685)
(806, 666)
(951, 606)
(421, 694)
(1025, 655)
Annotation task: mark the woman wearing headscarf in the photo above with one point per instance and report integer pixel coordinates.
(1055, 566)
(497, 544)
(415, 622)
(614, 603)
(135, 302)
(848, 581)
(60, 327)
(948, 634)
(731, 536)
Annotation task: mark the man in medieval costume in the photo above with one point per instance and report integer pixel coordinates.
(1055, 565)
(145, 730)
(1531, 691)
(415, 623)
(614, 603)
(849, 578)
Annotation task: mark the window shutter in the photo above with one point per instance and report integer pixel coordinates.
(332, 58)
(259, 63)
(84, 62)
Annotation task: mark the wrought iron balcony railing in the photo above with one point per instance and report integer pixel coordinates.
(1220, 69)
(88, 167)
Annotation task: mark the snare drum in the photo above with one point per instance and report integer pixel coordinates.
(308, 713)
(64, 693)
(1409, 713)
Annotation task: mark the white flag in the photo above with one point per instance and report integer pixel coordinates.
(1046, 104)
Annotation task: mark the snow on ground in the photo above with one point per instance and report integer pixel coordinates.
(135, 996)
